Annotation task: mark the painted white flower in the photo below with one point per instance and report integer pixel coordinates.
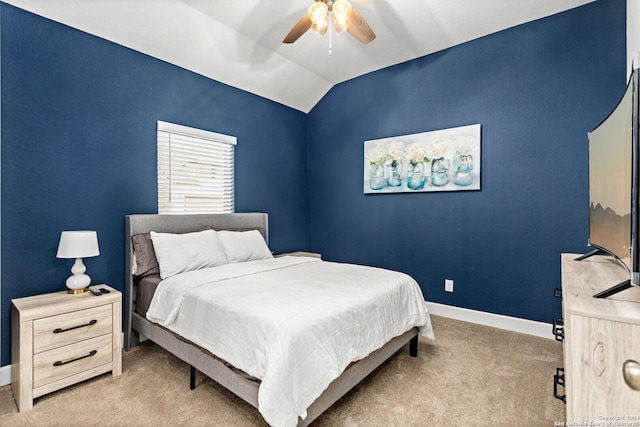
(440, 148)
(416, 152)
(465, 145)
(377, 154)
(395, 150)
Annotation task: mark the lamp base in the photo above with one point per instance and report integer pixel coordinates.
(78, 282)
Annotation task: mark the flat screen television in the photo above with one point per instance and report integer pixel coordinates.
(614, 187)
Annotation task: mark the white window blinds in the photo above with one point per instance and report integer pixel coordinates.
(195, 170)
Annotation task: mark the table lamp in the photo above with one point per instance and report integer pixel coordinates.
(78, 245)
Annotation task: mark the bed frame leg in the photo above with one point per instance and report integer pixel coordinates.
(192, 379)
(131, 340)
(413, 347)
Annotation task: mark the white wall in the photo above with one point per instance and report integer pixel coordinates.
(633, 31)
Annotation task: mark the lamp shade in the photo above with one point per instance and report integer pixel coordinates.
(78, 244)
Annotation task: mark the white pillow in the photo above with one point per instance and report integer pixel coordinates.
(177, 253)
(241, 246)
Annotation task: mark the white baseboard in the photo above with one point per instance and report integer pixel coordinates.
(499, 321)
(5, 375)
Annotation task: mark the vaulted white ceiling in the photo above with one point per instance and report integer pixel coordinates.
(239, 42)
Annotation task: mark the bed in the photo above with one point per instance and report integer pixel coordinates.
(269, 348)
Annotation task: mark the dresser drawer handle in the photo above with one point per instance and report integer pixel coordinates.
(558, 380)
(58, 330)
(558, 329)
(60, 363)
(631, 374)
(557, 292)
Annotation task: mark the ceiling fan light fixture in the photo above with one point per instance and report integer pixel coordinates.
(323, 13)
(340, 24)
(321, 26)
(341, 11)
(318, 12)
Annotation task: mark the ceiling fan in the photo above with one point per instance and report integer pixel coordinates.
(345, 17)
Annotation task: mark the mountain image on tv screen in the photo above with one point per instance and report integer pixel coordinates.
(610, 180)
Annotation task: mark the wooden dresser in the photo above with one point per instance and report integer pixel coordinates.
(599, 336)
(60, 339)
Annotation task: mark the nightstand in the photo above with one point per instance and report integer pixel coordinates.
(60, 339)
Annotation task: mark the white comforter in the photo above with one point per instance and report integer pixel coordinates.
(293, 322)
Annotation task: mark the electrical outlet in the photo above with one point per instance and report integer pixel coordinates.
(448, 285)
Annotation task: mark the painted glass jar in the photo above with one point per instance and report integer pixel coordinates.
(440, 172)
(394, 173)
(462, 167)
(415, 175)
(376, 176)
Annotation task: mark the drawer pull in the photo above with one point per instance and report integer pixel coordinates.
(60, 363)
(631, 374)
(558, 380)
(558, 329)
(58, 330)
(557, 292)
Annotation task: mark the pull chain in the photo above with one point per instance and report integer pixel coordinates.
(330, 45)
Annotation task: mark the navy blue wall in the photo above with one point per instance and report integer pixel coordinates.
(79, 150)
(536, 89)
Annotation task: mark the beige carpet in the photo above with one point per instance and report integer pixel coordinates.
(470, 376)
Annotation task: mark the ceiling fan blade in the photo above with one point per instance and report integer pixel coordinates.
(359, 28)
(298, 30)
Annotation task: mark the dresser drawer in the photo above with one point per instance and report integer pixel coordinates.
(64, 329)
(66, 361)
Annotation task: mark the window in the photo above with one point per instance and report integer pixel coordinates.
(195, 170)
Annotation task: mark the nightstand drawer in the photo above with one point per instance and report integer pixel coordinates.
(64, 329)
(66, 361)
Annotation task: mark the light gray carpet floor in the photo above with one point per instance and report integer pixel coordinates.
(471, 375)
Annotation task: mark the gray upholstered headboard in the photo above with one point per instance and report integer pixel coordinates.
(135, 224)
